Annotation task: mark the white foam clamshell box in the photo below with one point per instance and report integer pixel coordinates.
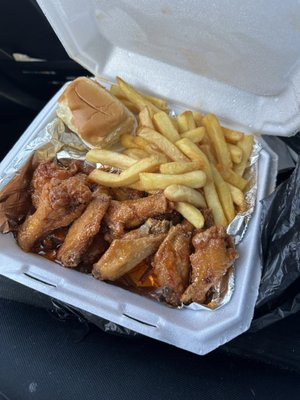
(238, 60)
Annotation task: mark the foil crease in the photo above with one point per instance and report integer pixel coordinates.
(55, 141)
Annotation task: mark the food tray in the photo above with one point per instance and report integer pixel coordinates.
(197, 331)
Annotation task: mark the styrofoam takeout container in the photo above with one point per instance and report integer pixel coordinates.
(214, 56)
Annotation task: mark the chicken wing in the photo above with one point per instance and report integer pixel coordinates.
(214, 254)
(126, 253)
(128, 214)
(92, 254)
(82, 231)
(60, 203)
(47, 170)
(171, 265)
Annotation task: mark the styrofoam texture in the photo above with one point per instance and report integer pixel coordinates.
(239, 60)
(197, 331)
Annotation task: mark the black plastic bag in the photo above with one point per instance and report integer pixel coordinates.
(279, 293)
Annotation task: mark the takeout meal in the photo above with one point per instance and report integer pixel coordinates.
(151, 216)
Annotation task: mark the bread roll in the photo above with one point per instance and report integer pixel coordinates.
(93, 113)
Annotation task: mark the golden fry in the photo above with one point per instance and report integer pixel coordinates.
(215, 133)
(135, 97)
(232, 177)
(207, 150)
(232, 136)
(131, 142)
(135, 153)
(165, 126)
(191, 213)
(186, 195)
(152, 181)
(180, 167)
(186, 121)
(213, 202)
(132, 107)
(128, 176)
(118, 92)
(224, 194)
(198, 117)
(111, 158)
(192, 151)
(163, 144)
(237, 196)
(246, 145)
(145, 118)
(195, 135)
(236, 153)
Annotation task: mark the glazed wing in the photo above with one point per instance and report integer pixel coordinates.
(47, 170)
(129, 214)
(92, 254)
(82, 231)
(214, 254)
(60, 203)
(171, 265)
(126, 253)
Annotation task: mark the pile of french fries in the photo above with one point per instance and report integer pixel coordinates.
(196, 162)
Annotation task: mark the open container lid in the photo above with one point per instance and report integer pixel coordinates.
(238, 60)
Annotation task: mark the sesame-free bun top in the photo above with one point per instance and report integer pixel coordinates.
(97, 116)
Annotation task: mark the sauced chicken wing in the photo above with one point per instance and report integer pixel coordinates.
(82, 231)
(92, 254)
(171, 265)
(126, 253)
(129, 214)
(47, 170)
(214, 254)
(60, 203)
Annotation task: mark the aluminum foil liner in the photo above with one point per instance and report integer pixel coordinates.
(55, 140)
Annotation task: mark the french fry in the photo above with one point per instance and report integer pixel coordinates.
(135, 153)
(191, 213)
(185, 194)
(232, 136)
(195, 135)
(145, 118)
(174, 122)
(132, 107)
(215, 133)
(236, 153)
(165, 126)
(160, 103)
(111, 158)
(152, 181)
(176, 167)
(208, 152)
(246, 145)
(163, 144)
(128, 176)
(186, 121)
(116, 91)
(135, 97)
(198, 117)
(213, 202)
(131, 142)
(237, 196)
(232, 177)
(224, 194)
(191, 150)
